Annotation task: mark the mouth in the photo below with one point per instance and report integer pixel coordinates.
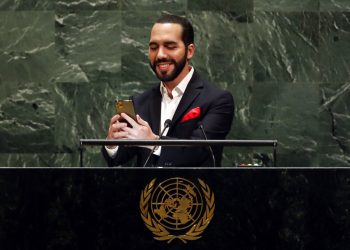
(164, 66)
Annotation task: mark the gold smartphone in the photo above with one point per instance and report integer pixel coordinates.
(125, 106)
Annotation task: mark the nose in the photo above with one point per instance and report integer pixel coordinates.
(161, 53)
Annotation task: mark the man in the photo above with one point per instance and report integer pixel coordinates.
(182, 96)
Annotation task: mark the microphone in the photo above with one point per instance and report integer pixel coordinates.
(167, 124)
(210, 149)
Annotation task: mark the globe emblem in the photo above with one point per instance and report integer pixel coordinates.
(176, 204)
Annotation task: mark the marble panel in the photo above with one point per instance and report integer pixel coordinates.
(285, 46)
(28, 64)
(87, 5)
(172, 5)
(333, 156)
(297, 124)
(18, 35)
(27, 120)
(27, 52)
(255, 111)
(335, 112)
(91, 158)
(40, 65)
(334, 47)
(286, 5)
(220, 5)
(14, 160)
(89, 42)
(60, 5)
(223, 54)
(255, 105)
(83, 111)
(334, 5)
(27, 4)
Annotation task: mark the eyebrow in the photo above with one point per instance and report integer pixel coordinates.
(165, 43)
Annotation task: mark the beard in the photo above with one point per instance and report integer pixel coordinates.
(178, 67)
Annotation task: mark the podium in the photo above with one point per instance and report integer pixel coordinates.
(108, 208)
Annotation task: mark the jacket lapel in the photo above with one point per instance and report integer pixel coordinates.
(192, 91)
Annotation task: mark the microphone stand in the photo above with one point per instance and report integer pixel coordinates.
(210, 149)
(167, 124)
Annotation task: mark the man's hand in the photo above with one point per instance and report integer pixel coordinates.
(140, 129)
(115, 130)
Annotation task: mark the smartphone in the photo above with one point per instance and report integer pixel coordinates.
(125, 106)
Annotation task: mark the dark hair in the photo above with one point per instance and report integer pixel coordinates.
(187, 29)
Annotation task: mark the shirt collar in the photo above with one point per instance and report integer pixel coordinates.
(181, 87)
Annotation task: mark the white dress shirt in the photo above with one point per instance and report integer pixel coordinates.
(168, 107)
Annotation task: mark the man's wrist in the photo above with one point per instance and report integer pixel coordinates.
(110, 146)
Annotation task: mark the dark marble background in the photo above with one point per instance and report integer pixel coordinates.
(286, 62)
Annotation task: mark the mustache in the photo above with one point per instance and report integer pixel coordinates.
(165, 61)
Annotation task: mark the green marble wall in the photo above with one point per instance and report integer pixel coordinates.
(286, 62)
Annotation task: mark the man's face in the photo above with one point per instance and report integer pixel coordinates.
(167, 53)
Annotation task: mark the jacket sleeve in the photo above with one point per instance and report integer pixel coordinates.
(123, 155)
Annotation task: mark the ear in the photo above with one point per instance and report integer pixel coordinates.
(191, 48)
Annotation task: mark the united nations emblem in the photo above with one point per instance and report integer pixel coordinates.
(177, 209)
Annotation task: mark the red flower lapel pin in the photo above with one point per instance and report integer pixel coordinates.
(192, 114)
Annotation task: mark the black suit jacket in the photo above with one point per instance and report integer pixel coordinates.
(217, 111)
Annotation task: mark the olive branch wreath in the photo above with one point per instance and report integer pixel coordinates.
(160, 232)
